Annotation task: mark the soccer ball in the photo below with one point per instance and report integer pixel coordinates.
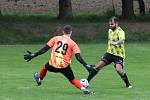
(84, 82)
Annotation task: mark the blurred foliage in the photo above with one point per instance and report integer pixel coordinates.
(34, 28)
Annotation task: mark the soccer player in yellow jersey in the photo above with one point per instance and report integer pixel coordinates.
(115, 52)
(63, 47)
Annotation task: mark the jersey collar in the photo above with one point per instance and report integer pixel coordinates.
(66, 36)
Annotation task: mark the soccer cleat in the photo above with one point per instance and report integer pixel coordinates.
(92, 73)
(86, 91)
(37, 78)
(129, 86)
(90, 68)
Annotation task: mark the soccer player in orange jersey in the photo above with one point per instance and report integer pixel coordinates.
(63, 47)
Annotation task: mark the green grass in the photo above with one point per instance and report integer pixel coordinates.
(16, 75)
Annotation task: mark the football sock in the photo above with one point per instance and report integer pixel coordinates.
(43, 72)
(77, 84)
(89, 68)
(125, 79)
(92, 74)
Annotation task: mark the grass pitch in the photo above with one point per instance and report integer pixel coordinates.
(17, 83)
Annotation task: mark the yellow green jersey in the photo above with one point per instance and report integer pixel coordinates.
(117, 50)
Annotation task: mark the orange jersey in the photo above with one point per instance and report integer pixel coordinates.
(63, 47)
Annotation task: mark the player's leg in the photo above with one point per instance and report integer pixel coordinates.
(105, 60)
(68, 73)
(39, 77)
(121, 72)
(94, 71)
(43, 72)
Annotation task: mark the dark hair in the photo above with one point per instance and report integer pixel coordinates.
(114, 18)
(67, 29)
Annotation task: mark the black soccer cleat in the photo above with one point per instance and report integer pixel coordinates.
(92, 73)
(90, 68)
(37, 78)
(86, 91)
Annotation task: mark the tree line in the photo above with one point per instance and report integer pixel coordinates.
(65, 8)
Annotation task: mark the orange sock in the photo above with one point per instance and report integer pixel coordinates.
(43, 72)
(77, 83)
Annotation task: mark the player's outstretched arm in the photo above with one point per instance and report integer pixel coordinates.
(29, 55)
(80, 59)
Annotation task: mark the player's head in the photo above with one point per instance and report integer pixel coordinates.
(113, 22)
(67, 29)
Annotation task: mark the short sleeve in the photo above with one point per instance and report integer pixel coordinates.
(76, 48)
(109, 31)
(51, 42)
(122, 34)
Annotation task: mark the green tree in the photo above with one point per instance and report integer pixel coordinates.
(65, 9)
(0, 10)
(141, 7)
(0, 13)
(127, 9)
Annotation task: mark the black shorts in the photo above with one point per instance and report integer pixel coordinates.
(109, 58)
(67, 72)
